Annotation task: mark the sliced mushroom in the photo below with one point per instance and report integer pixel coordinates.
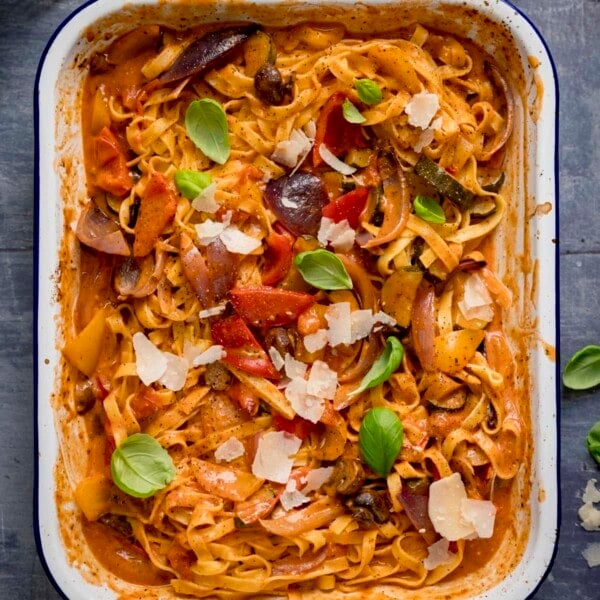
(348, 476)
(369, 507)
(270, 86)
(282, 339)
(217, 376)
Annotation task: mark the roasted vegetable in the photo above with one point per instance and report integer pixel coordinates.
(207, 52)
(270, 86)
(444, 183)
(298, 201)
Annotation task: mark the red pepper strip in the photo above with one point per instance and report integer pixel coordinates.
(297, 426)
(157, 209)
(242, 348)
(278, 258)
(265, 306)
(334, 131)
(349, 207)
(109, 170)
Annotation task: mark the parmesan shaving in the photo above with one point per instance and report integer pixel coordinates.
(209, 356)
(477, 302)
(421, 109)
(592, 555)
(234, 240)
(205, 201)
(293, 151)
(238, 242)
(588, 514)
(272, 460)
(291, 497)
(334, 162)
(454, 516)
(229, 450)
(176, 372)
(438, 554)
(214, 311)
(340, 236)
(150, 362)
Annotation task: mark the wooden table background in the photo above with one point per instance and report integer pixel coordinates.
(571, 29)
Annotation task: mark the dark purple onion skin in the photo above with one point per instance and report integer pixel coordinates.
(307, 193)
(207, 52)
(416, 508)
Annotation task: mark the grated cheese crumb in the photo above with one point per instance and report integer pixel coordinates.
(592, 555)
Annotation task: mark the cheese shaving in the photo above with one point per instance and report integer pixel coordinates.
(176, 372)
(150, 362)
(273, 456)
(477, 302)
(588, 513)
(453, 515)
(438, 554)
(334, 162)
(213, 311)
(293, 151)
(205, 201)
(229, 450)
(209, 356)
(592, 555)
(421, 109)
(340, 236)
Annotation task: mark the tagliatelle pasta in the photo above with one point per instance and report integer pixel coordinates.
(239, 288)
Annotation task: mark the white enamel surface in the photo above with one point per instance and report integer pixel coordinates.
(544, 495)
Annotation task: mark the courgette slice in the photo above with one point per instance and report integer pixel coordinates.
(444, 183)
(494, 188)
(258, 51)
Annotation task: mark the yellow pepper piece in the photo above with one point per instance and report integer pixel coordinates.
(452, 351)
(83, 351)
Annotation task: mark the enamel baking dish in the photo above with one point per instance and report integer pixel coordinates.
(60, 181)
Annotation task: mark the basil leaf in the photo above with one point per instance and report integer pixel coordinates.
(206, 124)
(380, 439)
(383, 367)
(351, 113)
(368, 91)
(191, 183)
(323, 270)
(429, 210)
(140, 466)
(582, 370)
(593, 441)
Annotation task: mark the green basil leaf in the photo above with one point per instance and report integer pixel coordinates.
(368, 91)
(323, 270)
(582, 370)
(593, 441)
(383, 367)
(191, 183)
(380, 439)
(206, 124)
(140, 466)
(351, 113)
(429, 210)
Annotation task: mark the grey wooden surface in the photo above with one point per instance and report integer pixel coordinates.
(571, 28)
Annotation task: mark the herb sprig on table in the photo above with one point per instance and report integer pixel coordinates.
(582, 372)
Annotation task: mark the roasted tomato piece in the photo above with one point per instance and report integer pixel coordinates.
(349, 207)
(265, 306)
